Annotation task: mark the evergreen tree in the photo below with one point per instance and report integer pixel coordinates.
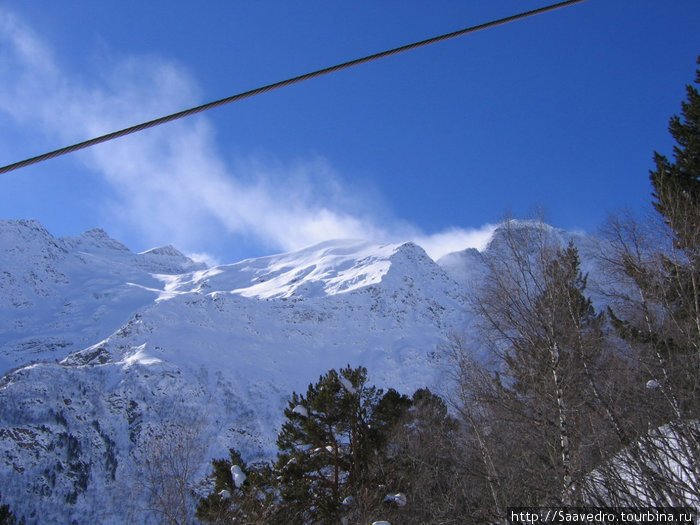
(677, 184)
(348, 453)
(419, 469)
(325, 444)
(545, 402)
(6, 516)
(677, 286)
(242, 493)
(661, 321)
(389, 410)
(547, 365)
(658, 315)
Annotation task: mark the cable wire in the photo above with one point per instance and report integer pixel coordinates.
(277, 85)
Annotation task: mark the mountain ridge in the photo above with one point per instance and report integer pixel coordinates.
(114, 346)
(124, 346)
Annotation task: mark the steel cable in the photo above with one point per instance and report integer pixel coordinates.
(277, 85)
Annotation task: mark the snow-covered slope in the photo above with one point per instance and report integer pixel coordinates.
(103, 350)
(57, 295)
(109, 347)
(468, 268)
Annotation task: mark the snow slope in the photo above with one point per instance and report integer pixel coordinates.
(57, 295)
(104, 348)
(105, 352)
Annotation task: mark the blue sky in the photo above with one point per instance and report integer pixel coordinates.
(560, 112)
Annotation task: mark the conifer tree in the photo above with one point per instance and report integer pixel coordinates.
(547, 363)
(7, 517)
(658, 315)
(677, 285)
(677, 184)
(661, 320)
(348, 453)
(324, 445)
(419, 467)
(242, 493)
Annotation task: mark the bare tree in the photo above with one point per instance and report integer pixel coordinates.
(544, 400)
(654, 309)
(168, 469)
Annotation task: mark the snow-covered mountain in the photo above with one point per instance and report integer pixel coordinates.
(102, 349)
(58, 295)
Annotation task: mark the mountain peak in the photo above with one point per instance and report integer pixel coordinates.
(30, 238)
(168, 259)
(95, 238)
(169, 251)
(31, 224)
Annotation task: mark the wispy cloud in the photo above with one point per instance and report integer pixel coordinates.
(171, 184)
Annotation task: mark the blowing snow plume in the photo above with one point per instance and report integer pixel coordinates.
(171, 184)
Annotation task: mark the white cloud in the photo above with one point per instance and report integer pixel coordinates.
(170, 183)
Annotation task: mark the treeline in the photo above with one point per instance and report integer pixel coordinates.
(575, 407)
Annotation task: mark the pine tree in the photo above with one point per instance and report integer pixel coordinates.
(389, 410)
(419, 467)
(324, 445)
(677, 184)
(547, 363)
(660, 320)
(6, 516)
(249, 497)
(332, 463)
(677, 285)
